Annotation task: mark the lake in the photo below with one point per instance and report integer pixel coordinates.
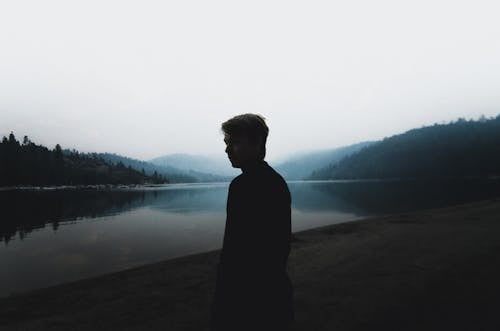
(50, 236)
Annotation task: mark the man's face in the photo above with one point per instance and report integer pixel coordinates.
(240, 150)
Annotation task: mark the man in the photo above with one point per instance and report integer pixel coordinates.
(253, 291)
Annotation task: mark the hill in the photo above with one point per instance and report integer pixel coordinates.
(458, 149)
(35, 165)
(204, 164)
(302, 165)
(174, 174)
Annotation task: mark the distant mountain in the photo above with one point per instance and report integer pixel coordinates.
(302, 165)
(173, 173)
(458, 149)
(218, 166)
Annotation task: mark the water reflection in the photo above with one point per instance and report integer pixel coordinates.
(65, 235)
(27, 210)
(392, 196)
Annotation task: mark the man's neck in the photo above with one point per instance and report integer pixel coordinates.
(250, 166)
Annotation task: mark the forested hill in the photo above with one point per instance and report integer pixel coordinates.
(174, 174)
(458, 149)
(34, 165)
(302, 165)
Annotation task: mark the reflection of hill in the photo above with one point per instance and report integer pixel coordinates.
(309, 196)
(26, 210)
(380, 197)
(189, 198)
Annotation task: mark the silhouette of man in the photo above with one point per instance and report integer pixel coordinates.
(253, 291)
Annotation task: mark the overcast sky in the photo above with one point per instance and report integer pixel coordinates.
(148, 78)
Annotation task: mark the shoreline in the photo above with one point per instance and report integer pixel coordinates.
(432, 269)
(151, 185)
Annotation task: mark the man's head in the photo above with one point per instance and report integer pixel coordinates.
(245, 137)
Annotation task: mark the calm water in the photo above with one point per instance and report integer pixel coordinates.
(53, 236)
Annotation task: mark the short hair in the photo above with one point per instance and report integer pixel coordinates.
(252, 126)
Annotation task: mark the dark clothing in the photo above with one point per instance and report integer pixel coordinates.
(253, 291)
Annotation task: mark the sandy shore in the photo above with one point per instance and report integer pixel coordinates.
(427, 270)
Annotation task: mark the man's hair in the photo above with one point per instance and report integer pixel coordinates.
(252, 126)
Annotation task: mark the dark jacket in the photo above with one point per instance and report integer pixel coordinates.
(253, 289)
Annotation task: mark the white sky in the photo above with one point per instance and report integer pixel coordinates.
(148, 78)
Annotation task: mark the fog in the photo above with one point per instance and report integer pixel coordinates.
(149, 78)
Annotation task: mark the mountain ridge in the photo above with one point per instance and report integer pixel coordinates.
(457, 149)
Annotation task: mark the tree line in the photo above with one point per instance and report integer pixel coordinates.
(26, 163)
(463, 148)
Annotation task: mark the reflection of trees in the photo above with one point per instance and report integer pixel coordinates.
(378, 197)
(190, 199)
(26, 210)
(308, 196)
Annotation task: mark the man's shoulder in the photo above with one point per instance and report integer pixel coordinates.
(273, 174)
(275, 185)
(236, 180)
